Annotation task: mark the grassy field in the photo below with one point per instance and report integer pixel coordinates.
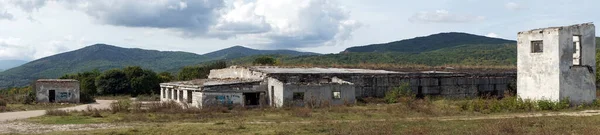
(541, 125)
(39, 106)
(408, 116)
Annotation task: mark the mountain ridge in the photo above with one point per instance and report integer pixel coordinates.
(429, 43)
(104, 57)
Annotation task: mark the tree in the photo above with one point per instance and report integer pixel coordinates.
(165, 77)
(264, 60)
(199, 72)
(112, 82)
(147, 83)
(87, 84)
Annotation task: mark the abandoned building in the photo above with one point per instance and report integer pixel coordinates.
(276, 86)
(557, 63)
(57, 91)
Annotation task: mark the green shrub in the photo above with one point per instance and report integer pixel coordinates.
(120, 106)
(3, 102)
(395, 95)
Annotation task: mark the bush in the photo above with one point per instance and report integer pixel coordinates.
(120, 106)
(3, 102)
(399, 94)
(86, 98)
(55, 112)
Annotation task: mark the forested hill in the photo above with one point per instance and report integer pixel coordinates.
(104, 57)
(430, 43)
(240, 51)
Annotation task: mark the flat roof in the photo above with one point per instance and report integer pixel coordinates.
(269, 70)
(213, 82)
(556, 27)
(57, 80)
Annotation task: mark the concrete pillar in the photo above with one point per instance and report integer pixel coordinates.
(162, 92)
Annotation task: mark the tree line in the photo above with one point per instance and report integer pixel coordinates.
(133, 80)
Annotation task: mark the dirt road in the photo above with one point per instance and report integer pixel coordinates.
(10, 116)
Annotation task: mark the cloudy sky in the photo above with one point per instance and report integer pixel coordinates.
(32, 29)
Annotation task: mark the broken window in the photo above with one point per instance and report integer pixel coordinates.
(298, 96)
(337, 95)
(576, 50)
(537, 46)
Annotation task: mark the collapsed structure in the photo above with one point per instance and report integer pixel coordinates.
(275, 86)
(557, 63)
(57, 91)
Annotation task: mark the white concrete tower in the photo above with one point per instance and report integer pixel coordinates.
(557, 63)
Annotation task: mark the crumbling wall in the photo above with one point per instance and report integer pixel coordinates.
(235, 72)
(64, 91)
(450, 85)
(320, 94)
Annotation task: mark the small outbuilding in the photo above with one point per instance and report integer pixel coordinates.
(557, 63)
(57, 91)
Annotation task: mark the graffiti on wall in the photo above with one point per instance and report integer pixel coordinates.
(227, 99)
(63, 95)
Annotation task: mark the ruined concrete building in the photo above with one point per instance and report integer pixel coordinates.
(57, 91)
(278, 87)
(557, 63)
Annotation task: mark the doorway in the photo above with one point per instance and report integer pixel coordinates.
(251, 99)
(52, 96)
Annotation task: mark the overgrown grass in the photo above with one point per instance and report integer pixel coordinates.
(543, 125)
(38, 106)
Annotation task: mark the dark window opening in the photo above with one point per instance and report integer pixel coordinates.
(537, 46)
(189, 96)
(298, 96)
(272, 95)
(420, 94)
(52, 96)
(251, 99)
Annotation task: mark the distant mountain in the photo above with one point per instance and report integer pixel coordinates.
(240, 51)
(430, 43)
(8, 64)
(104, 57)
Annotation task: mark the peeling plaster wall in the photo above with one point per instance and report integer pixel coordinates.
(578, 83)
(216, 98)
(450, 85)
(275, 92)
(65, 92)
(234, 72)
(551, 75)
(320, 93)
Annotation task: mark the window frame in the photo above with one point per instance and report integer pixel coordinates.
(537, 44)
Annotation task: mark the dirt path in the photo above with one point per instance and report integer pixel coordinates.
(10, 116)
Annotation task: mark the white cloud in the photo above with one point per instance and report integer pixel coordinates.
(513, 6)
(192, 17)
(14, 48)
(443, 16)
(492, 35)
(5, 15)
(287, 23)
(29, 5)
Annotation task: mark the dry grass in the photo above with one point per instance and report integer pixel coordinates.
(55, 112)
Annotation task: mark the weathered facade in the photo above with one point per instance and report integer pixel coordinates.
(57, 91)
(207, 92)
(557, 63)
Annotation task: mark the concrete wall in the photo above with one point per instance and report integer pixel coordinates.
(216, 98)
(65, 91)
(452, 85)
(319, 94)
(551, 75)
(235, 72)
(275, 92)
(578, 82)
